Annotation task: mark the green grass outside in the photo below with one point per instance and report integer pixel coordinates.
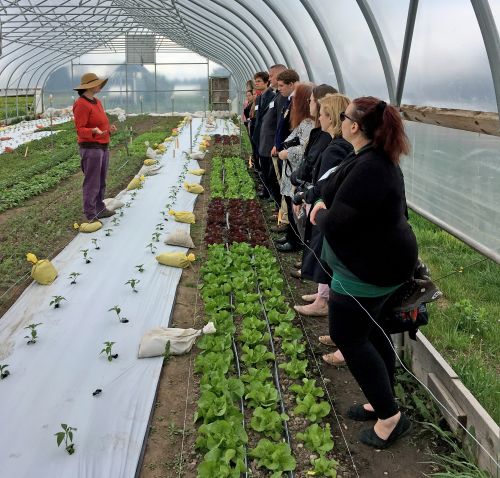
(464, 325)
(15, 105)
(44, 225)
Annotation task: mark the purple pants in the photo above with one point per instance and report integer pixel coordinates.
(94, 163)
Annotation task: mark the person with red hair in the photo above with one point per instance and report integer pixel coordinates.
(372, 251)
(292, 155)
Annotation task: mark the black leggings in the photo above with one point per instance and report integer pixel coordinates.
(292, 233)
(367, 352)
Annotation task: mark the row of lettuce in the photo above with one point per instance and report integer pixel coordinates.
(245, 426)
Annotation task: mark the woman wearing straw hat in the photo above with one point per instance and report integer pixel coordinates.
(93, 130)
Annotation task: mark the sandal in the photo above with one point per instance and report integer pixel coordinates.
(360, 413)
(370, 438)
(326, 340)
(330, 359)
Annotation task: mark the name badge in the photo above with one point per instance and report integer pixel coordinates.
(256, 107)
(271, 105)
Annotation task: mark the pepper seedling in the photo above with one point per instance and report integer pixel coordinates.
(159, 227)
(167, 354)
(140, 267)
(116, 221)
(86, 256)
(155, 237)
(96, 243)
(108, 350)
(152, 247)
(4, 373)
(127, 204)
(133, 283)
(66, 435)
(134, 194)
(108, 232)
(56, 300)
(121, 212)
(33, 333)
(73, 277)
(117, 309)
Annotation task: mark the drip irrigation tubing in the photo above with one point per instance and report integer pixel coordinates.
(276, 373)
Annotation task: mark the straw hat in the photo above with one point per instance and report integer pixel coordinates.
(90, 80)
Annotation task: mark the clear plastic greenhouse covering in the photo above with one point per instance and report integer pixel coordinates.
(52, 382)
(443, 54)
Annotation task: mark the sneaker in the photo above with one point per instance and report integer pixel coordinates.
(105, 213)
(414, 293)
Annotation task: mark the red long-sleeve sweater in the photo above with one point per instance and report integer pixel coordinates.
(89, 114)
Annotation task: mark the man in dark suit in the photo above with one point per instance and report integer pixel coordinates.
(261, 83)
(267, 131)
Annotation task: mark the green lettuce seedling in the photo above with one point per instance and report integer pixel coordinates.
(268, 422)
(308, 408)
(276, 457)
(317, 439)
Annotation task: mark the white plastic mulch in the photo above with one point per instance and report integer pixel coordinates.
(26, 131)
(52, 381)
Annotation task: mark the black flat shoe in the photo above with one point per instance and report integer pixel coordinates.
(370, 438)
(281, 240)
(287, 247)
(360, 414)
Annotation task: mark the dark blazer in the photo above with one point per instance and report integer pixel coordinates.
(263, 104)
(269, 123)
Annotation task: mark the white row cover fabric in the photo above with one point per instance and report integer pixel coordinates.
(52, 381)
(27, 131)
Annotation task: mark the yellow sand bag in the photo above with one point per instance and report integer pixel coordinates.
(183, 216)
(193, 188)
(197, 172)
(175, 132)
(42, 271)
(202, 147)
(135, 183)
(175, 259)
(207, 137)
(88, 226)
(150, 162)
(169, 139)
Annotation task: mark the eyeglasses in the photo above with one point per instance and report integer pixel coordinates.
(343, 116)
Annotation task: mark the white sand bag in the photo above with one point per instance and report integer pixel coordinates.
(151, 153)
(197, 156)
(180, 238)
(113, 204)
(150, 170)
(153, 342)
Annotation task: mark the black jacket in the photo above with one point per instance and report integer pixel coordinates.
(269, 123)
(318, 141)
(262, 101)
(336, 151)
(365, 223)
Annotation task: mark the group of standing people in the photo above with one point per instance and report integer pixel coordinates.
(335, 163)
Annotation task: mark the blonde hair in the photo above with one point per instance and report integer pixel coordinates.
(333, 105)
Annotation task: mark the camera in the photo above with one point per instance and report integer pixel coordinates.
(298, 198)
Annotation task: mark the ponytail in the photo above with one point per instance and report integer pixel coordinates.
(382, 124)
